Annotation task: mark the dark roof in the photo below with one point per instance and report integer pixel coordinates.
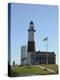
(44, 52)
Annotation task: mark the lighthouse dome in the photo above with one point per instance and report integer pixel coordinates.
(31, 23)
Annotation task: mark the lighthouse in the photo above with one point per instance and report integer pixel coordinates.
(29, 56)
(31, 44)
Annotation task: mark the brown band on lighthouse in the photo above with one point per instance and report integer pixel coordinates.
(31, 46)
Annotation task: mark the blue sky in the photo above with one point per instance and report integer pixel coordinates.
(45, 18)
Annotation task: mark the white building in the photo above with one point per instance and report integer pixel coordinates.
(23, 55)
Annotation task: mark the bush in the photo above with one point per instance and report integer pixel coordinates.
(28, 66)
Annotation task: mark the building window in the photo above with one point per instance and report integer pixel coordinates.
(44, 61)
(41, 61)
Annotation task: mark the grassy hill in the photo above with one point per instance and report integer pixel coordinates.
(32, 70)
(51, 66)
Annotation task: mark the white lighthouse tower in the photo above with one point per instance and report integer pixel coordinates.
(31, 43)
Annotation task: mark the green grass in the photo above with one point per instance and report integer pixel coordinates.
(51, 66)
(31, 70)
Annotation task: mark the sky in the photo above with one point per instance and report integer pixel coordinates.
(45, 19)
